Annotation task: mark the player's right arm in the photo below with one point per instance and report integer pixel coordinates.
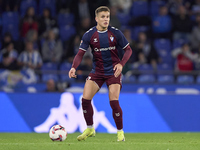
(79, 56)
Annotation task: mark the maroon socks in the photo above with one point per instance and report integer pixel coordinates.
(117, 113)
(87, 111)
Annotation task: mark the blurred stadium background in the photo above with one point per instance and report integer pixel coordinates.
(161, 81)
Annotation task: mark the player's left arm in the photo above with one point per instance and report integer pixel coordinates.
(123, 43)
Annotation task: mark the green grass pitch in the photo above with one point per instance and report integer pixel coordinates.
(102, 141)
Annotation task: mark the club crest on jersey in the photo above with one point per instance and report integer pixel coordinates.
(111, 38)
(95, 40)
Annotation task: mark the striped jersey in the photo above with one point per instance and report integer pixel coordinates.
(106, 48)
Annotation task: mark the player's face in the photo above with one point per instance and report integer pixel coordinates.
(103, 19)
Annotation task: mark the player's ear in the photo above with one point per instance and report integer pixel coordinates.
(96, 19)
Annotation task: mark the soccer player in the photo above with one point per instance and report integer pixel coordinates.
(105, 42)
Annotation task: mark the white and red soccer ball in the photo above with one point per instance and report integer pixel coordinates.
(57, 133)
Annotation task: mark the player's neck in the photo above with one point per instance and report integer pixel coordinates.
(99, 28)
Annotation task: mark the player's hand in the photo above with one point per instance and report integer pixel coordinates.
(72, 73)
(118, 69)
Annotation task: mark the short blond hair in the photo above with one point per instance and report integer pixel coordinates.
(101, 8)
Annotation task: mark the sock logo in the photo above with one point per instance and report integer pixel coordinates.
(117, 114)
(85, 111)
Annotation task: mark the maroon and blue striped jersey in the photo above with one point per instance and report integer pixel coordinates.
(106, 47)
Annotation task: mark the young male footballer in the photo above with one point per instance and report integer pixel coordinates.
(105, 42)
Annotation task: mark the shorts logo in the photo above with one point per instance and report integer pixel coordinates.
(88, 78)
(117, 114)
(111, 38)
(95, 40)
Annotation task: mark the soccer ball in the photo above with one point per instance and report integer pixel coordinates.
(57, 133)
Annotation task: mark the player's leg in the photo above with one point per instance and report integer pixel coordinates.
(90, 89)
(114, 90)
(114, 86)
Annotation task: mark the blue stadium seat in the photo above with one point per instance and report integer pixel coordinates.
(46, 77)
(123, 18)
(146, 79)
(51, 4)
(154, 7)
(129, 79)
(12, 29)
(65, 19)
(136, 30)
(146, 69)
(25, 4)
(49, 66)
(185, 79)
(139, 8)
(49, 75)
(66, 32)
(64, 76)
(165, 69)
(10, 18)
(165, 79)
(163, 47)
(198, 79)
(178, 43)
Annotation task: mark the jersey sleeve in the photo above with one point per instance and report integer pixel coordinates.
(122, 41)
(84, 42)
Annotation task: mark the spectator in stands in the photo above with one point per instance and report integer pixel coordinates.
(162, 24)
(84, 25)
(71, 47)
(174, 5)
(29, 22)
(8, 57)
(63, 6)
(32, 36)
(182, 24)
(52, 87)
(114, 19)
(52, 48)
(84, 68)
(145, 52)
(184, 58)
(10, 5)
(30, 58)
(195, 35)
(123, 5)
(82, 9)
(196, 7)
(47, 22)
(7, 38)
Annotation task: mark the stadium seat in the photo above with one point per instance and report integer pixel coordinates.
(185, 79)
(12, 29)
(10, 18)
(25, 4)
(49, 66)
(51, 4)
(65, 67)
(146, 79)
(46, 77)
(139, 8)
(198, 79)
(146, 69)
(154, 7)
(129, 79)
(165, 79)
(123, 18)
(136, 30)
(65, 19)
(165, 69)
(178, 43)
(163, 47)
(66, 32)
